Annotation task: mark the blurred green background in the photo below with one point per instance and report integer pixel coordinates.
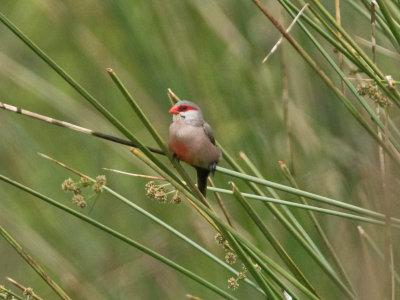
(209, 52)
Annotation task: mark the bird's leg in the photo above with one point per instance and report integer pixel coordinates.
(175, 157)
(213, 167)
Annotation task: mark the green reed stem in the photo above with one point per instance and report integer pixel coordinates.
(121, 237)
(9, 293)
(292, 218)
(215, 218)
(263, 228)
(266, 264)
(156, 220)
(306, 207)
(386, 13)
(249, 265)
(318, 227)
(29, 259)
(132, 102)
(341, 96)
(82, 91)
(322, 262)
(305, 194)
(374, 246)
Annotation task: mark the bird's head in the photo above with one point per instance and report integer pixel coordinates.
(187, 111)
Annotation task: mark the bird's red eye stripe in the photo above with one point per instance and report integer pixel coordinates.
(186, 108)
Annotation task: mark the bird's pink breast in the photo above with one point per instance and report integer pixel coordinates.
(179, 148)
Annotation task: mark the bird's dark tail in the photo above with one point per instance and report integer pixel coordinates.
(202, 175)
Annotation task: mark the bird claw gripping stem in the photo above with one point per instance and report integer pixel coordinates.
(213, 167)
(175, 157)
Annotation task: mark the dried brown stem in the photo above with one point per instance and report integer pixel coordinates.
(24, 289)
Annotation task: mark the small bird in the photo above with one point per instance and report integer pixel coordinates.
(191, 139)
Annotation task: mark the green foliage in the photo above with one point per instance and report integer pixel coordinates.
(284, 110)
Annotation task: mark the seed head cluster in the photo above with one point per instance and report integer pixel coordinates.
(230, 258)
(79, 201)
(233, 284)
(176, 199)
(68, 185)
(28, 291)
(241, 275)
(160, 193)
(372, 92)
(98, 187)
(84, 181)
(76, 188)
(222, 241)
(219, 239)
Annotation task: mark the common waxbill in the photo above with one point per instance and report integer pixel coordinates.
(191, 139)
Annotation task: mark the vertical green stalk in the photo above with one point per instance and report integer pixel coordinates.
(393, 94)
(341, 59)
(285, 107)
(348, 104)
(382, 161)
(389, 258)
(352, 109)
(381, 25)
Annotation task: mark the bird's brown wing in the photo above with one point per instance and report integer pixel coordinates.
(209, 133)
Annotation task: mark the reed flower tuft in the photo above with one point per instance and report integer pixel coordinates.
(161, 195)
(176, 199)
(219, 239)
(79, 201)
(232, 283)
(150, 189)
(241, 276)
(77, 190)
(230, 258)
(98, 188)
(68, 185)
(28, 292)
(374, 94)
(84, 181)
(101, 179)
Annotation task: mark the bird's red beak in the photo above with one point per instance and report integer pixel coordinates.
(174, 110)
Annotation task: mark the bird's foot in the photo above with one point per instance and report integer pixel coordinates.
(213, 167)
(175, 157)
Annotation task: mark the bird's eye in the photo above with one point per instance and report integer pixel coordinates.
(183, 108)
